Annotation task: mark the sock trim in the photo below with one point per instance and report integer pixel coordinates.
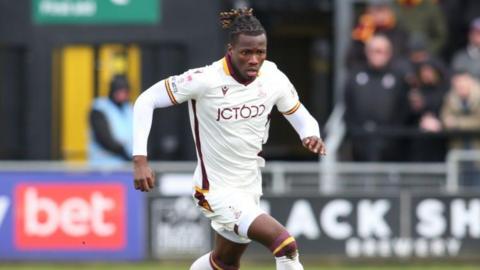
(213, 264)
(219, 265)
(285, 242)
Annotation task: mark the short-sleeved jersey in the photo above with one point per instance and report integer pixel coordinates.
(230, 121)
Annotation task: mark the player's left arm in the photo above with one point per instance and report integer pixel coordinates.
(307, 128)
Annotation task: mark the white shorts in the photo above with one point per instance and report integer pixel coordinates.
(227, 208)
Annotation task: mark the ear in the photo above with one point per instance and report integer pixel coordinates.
(229, 48)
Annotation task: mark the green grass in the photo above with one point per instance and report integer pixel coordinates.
(246, 266)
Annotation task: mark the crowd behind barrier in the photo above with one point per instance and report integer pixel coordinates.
(409, 96)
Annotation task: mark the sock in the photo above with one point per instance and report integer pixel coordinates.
(285, 263)
(202, 263)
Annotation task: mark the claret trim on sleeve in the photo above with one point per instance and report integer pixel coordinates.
(170, 93)
(294, 109)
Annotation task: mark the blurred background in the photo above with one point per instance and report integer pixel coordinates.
(394, 85)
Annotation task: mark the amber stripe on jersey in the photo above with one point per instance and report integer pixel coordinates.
(202, 201)
(169, 92)
(283, 244)
(294, 109)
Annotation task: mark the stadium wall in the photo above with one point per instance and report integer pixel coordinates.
(37, 43)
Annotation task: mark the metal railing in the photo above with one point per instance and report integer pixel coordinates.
(454, 160)
(335, 130)
(302, 177)
(310, 177)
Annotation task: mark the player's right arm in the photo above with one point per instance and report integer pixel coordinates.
(156, 96)
(168, 92)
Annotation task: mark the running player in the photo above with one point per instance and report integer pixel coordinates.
(230, 103)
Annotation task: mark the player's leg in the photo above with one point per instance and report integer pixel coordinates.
(225, 255)
(270, 233)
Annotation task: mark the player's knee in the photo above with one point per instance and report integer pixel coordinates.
(284, 245)
(218, 263)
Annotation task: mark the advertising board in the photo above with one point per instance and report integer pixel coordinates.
(95, 11)
(402, 225)
(70, 216)
(178, 229)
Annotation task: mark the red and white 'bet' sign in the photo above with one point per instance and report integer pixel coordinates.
(70, 216)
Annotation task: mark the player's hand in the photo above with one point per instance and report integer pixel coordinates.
(314, 144)
(144, 178)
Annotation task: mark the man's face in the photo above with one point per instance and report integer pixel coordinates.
(121, 95)
(462, 83)
(378, 52)
(474, 37)
(428, 75)
(247, 54)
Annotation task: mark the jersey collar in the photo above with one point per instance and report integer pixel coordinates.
(229, 70)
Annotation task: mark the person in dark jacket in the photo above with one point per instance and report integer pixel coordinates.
(425, 101)
(111, 125)
(426, 95)
(375, 97)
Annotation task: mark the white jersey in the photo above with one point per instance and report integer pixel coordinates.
(230, 121)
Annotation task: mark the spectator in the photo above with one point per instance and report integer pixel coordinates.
(461, 112)
(425, 101)
(418, 54)
(461, 109)
(426, 94)
(111, 125)
(378, 18)
(375, 98)
(468, 59)
(425, 18)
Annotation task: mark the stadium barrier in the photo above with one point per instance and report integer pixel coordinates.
(391, 226)
(177, 229)
(66, 211)
(406, 225)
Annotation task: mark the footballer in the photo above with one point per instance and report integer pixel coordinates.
(230, 102)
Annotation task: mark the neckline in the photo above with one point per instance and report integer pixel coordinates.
(230, 71)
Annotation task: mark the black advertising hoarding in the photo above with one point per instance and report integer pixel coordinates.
(405, 225)
(177, 228)
(449, 223)
(335, 225)
(357, 226)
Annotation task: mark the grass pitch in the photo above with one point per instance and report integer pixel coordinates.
(246, 266)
